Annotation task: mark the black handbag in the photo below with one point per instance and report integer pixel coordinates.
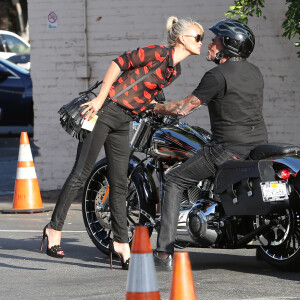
(71, 119)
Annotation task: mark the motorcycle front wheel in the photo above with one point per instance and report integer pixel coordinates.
(96, 210)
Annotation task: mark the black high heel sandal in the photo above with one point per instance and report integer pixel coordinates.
(125, 265)
(53, 251)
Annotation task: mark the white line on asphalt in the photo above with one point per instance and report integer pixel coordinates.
(68, 231)
(272, 298)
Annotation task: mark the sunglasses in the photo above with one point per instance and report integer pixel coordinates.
(198, 37)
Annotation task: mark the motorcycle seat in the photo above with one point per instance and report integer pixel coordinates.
(267, 150)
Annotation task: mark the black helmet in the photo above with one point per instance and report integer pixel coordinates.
(236, 37)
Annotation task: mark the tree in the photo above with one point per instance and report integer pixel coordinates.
(291, 24)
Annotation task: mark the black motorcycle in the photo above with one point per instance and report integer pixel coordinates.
(250, 203)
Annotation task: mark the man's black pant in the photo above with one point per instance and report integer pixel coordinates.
(203, 165)
(112, 131)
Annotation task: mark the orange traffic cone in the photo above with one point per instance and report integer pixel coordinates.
(182, 281)
(141, 281)
(27, 196)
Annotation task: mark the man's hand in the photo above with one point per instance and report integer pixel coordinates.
(180, 108)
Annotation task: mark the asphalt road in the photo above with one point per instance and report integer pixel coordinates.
(84, 273)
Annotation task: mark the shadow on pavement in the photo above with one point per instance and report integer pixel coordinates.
(73, 252)
(238, 263)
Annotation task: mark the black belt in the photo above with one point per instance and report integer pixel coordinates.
(124, 109)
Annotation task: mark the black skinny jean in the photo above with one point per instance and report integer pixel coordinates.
(112, 131)
(203, 165)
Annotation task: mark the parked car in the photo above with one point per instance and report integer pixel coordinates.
(16, 106)
(22, 60)
(11, 44)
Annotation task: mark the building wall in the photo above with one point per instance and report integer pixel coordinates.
(113, 27)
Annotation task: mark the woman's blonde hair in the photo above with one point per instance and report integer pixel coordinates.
(177, 27)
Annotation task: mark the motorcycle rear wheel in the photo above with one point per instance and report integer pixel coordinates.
(96, 211)
(282, 248)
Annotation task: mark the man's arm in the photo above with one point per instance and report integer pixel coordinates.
(179, 108)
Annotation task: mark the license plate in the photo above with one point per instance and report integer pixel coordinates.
(274, 191)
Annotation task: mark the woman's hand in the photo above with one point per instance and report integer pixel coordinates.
(92, 107)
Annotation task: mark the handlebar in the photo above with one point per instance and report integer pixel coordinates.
(157, 120)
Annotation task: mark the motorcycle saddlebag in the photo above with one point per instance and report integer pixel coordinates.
(237, 185)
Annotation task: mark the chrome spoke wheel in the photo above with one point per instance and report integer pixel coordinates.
(280, 245)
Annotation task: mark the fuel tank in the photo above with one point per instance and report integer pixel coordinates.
(178, 142)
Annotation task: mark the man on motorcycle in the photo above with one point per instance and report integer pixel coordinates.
(233, 92)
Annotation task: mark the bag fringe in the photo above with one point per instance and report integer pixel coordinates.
(71, 119)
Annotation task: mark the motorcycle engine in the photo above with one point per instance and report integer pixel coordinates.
(202, 222)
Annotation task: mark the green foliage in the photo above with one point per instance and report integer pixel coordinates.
(291, 25)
